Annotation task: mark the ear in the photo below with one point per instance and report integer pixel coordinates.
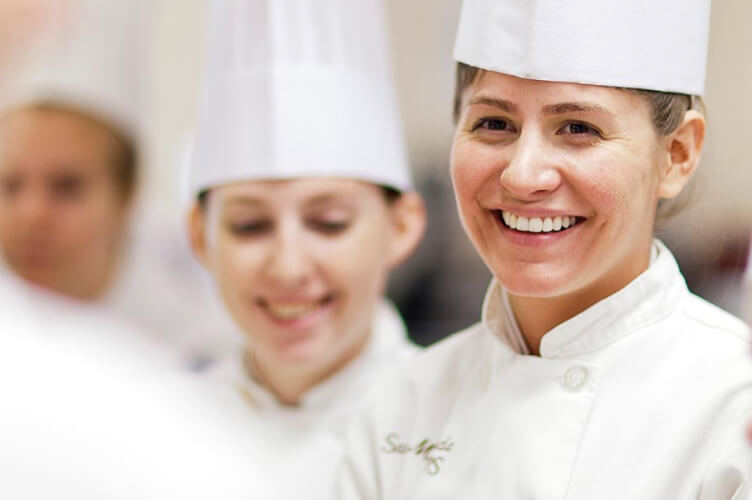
(408, 215)
(197, 233)
(684, 148)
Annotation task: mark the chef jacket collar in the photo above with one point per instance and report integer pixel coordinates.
(387, 342)
(650, 296)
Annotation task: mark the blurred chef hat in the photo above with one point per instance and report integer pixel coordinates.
(91, 62)
(647, 44)
(298, 88)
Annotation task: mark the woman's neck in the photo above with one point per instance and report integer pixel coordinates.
(536, 316)
(290, 382)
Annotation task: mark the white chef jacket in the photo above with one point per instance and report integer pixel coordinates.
(643, 396)
(300, 448)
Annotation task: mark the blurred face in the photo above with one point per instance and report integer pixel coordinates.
(62, 216)
(557, 184)
(301, 264)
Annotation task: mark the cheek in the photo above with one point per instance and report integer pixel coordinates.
(234, 264)
(473, 169)
(357, 263)
(619, 190)
(99, 221)
(470, 168)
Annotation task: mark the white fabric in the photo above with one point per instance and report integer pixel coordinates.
(161, 288)
(298, 88)
(302, 446)
(83, 415)
(644, 395)
(647, 44)
(91, 62)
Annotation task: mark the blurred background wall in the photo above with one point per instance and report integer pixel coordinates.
(441, 288)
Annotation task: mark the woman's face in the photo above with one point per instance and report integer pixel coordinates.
(300, 264)
(62, 212)
(576, 169)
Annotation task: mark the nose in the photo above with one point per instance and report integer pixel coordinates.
(531, 173)
(289, 263)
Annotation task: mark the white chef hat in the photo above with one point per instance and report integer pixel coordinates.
(90, 63)
(298, 88)
(647, 44)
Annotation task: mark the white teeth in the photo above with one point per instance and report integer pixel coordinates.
(291, 311)
(537, 224)
(507, 218)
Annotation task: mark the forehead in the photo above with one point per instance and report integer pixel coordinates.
(296, 192)
(537, 95)
(51, 139)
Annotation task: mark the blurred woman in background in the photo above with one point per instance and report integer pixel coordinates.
(73, 215)
(303, 206)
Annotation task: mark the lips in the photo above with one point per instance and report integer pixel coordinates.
(551, 224)
(294, 309)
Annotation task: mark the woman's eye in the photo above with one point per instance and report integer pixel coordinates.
(68, 187)
(250, 228)
(578, 128)
(329, 227)
(494, 124)
(10, 186)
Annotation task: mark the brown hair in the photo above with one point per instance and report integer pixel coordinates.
(125, 161)
(668, 110)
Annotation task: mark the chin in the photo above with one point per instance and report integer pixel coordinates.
(304, 352)
(540, 284)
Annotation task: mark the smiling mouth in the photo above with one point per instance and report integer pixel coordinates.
(294, 310)
(522, 224)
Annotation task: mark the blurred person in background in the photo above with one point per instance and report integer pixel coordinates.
(81, 415)
(594, 372)
(71, 141)
(303, 206)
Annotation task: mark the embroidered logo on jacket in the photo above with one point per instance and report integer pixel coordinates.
(432, 452)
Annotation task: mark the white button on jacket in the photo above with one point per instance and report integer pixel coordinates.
(643, 396)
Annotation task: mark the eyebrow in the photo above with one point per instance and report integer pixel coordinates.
(551, 109)
(243, 201)
(502, 104)
(327, 199)
(574, 107)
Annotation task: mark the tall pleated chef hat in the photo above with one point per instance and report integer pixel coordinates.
(92, 63)
(297, 89)
(646, 44)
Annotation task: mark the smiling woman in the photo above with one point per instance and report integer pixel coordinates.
(590, 348)
(299, 217)
(301, 264)
(579, 153)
